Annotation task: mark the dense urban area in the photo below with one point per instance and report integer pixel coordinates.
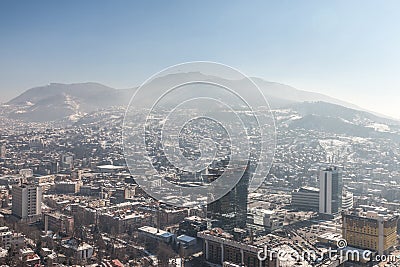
(68, 199)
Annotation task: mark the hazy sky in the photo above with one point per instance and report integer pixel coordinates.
(346, 49)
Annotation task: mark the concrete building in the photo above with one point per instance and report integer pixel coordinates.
(306, 198)
(330, 191)
(10, 239)
(67, 161)
(58, 223)
(148, 232)
(347, 200)
(28, 257)
(26, 201)
(43, 179)
(188, 245)
(373, 229)
(118, 223)
(269, 220)
(220, 249)
(3, 151)
(79, 252)
(26, 173)
(186, 240)
(191, 225)
(172, 216)
(67, 187)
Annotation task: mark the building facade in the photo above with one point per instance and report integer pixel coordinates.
(330, 191)
(26, 201)
(230, 211)
(220, 249)
(370, 229)
(3, 151)
(58, 223)
(306, 198)
(347, 200)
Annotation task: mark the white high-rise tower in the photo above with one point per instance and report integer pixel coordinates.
(330, 190)
(26, 200)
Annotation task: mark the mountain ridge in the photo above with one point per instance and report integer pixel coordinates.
(59, 101)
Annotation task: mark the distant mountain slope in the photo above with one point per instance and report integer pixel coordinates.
(70, 102)
(331, 125)
(293, 95)
(77, 90)
(333, 110)
(60, 101)
(336, 125)
(93, 95)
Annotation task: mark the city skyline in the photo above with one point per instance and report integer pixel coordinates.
(220, 134)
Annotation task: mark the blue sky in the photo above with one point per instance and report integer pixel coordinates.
(346, 49)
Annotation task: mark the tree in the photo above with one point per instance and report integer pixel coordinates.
(164, 254)
(38, 245)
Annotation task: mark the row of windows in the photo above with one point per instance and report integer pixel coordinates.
(231, 255)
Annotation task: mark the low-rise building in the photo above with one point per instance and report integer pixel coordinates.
(267, 219)
(10, 239)
(58, 223)
(79, 252)
(306, 198)
(28, 257)
(219, 248)
(66, 187)
(122, 222)
(146, 232)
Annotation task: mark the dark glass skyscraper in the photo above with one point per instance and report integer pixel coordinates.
(230, 211)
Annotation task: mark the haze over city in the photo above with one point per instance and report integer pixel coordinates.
(347, 50)
(103, 164)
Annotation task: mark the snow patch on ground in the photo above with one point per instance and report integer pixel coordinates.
(379, 127)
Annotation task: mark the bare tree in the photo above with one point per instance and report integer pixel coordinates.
(164, 254)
